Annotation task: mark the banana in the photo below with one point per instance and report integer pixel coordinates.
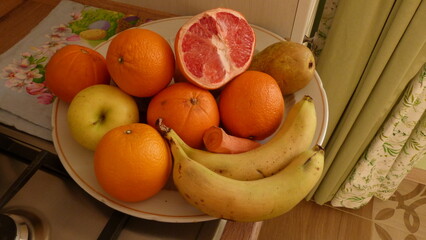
(294, 136)
(246, 201)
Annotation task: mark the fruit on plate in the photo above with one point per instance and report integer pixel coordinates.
(294, 136)
(213, 47)
(132, 162)
(73, 68)
(246, 201)
(188, 109)
(140, 61)
(97, 109)
(251, 106)
(291, 64)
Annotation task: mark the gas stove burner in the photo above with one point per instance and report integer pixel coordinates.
(14, 227)
(22, 224)
(30, 172)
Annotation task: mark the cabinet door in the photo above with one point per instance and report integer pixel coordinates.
(291, 19)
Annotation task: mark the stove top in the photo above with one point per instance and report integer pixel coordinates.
(39, 200)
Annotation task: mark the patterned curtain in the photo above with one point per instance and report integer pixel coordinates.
(371, 58)
(396, 148)
(324, 26)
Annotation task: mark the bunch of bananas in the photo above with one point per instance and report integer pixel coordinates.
(256, 185)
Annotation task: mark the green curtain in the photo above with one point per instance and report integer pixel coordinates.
(373, 49)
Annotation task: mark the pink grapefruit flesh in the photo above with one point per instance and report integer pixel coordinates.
(214, 46)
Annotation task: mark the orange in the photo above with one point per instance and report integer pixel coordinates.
(140, 61)
(213, 47)
(187, 109)
(132, 162)
(73, 68)
(251, 105)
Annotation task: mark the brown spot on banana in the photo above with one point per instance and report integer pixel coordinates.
(261, 173)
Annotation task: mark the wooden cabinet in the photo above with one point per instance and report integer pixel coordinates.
(7, 5)
(291, 19)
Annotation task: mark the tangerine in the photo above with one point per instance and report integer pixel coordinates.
(251, 106)
(213, 47)
(140, 61)
(187, 109)
(132, 162)
(73, 68)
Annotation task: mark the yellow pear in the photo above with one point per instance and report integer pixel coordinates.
(291, 64)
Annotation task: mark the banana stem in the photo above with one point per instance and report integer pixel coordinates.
(162, 127)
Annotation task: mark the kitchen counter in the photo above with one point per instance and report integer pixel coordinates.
(18, 22)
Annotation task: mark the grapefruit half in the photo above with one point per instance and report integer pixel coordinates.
(214, 46)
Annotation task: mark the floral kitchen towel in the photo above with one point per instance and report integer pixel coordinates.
(25, 102)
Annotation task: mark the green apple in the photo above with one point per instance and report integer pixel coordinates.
(97, 109)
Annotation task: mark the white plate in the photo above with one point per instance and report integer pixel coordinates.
(168, 205)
